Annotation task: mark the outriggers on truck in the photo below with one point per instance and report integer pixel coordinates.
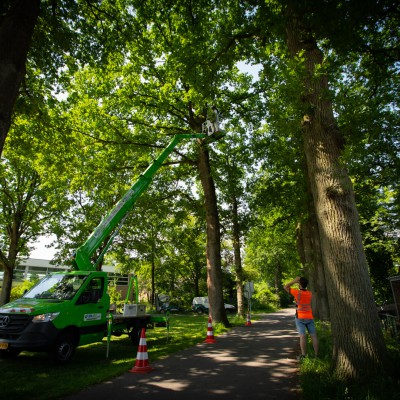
(65, 310)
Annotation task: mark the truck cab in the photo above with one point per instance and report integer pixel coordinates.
(61, 312)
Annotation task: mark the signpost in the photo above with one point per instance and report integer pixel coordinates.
(248, 292)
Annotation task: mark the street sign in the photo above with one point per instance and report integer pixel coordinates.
(248, 289)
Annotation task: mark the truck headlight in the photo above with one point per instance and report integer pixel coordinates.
(45, 317)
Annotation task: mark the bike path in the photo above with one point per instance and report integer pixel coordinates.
(248, 362)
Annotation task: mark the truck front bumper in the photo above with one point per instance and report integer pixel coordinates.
(34, 337)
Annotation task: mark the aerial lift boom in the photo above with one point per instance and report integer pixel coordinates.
(70, 308)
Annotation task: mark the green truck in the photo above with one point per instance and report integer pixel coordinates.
(65, 310)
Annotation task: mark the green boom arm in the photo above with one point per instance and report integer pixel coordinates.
(82, 260)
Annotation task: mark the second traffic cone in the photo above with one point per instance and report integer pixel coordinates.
(142, 365)
(210, 332)
(248, 320)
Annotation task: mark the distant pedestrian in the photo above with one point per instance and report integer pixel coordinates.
(304, 317)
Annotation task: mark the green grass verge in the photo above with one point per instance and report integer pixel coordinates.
(31, 376)
(318, 383)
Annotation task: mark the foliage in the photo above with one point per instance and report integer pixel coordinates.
(366, 100)
(265, 298)
(25, 210)
(133, 73)
(271, 247)
(27, 207)
(18, 290)
(183, 273)
(115, 297)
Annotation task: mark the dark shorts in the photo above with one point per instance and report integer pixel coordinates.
(305, 324)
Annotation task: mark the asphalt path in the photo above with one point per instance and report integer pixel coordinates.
(248, 362)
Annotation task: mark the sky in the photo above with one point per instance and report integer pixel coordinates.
(41, 251)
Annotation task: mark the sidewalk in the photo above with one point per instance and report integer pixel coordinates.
(257, 362)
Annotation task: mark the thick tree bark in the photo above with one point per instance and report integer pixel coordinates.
(9, 262)
(214, 270)
(308, 236)
(317, 278)
(359, 349)
(309, 248)
(7, 284)
(16, 32)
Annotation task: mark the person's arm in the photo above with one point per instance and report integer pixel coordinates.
(288, 285)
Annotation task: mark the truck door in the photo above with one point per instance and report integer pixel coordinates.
(91, 308)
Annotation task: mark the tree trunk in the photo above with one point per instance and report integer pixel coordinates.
(196, 278)
(359, 349)
(153, 283)
(237, 258)
(309, 249)
(318, 281)
(313, 265)
(278, 277)
(7, 284)
(213, 252)
(16, 32)
(8, 263)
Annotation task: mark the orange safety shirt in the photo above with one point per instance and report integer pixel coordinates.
(303, 301)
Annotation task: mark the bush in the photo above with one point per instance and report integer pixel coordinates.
(263, 297)
(18, 290)
(115, 297)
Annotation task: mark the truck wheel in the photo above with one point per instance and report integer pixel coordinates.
(200, 310)
(63, 350)
(134, 334)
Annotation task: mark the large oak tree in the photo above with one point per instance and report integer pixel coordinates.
(302, 27)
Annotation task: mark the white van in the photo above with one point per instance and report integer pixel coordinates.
(200, 305)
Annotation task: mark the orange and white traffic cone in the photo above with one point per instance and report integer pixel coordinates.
(142, 365)
(248, 320)
(210, 332)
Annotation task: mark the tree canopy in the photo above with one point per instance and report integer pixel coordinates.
(309, 161)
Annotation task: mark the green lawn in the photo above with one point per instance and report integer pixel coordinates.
(30, 376)
(41, 380)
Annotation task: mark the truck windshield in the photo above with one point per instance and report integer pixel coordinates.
(58, 286)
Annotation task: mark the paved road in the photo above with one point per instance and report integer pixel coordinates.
(257, 362)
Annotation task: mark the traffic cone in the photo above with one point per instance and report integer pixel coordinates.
(142, 359)
(210, 332)
(248, 320)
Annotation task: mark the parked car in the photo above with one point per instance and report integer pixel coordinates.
(200, 305)
(170, 307)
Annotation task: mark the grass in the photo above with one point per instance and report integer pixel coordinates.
(318, 382)
(31, 376)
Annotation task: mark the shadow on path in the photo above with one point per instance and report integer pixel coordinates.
(257, 361)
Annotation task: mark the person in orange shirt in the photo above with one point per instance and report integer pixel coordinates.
(304, 317)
